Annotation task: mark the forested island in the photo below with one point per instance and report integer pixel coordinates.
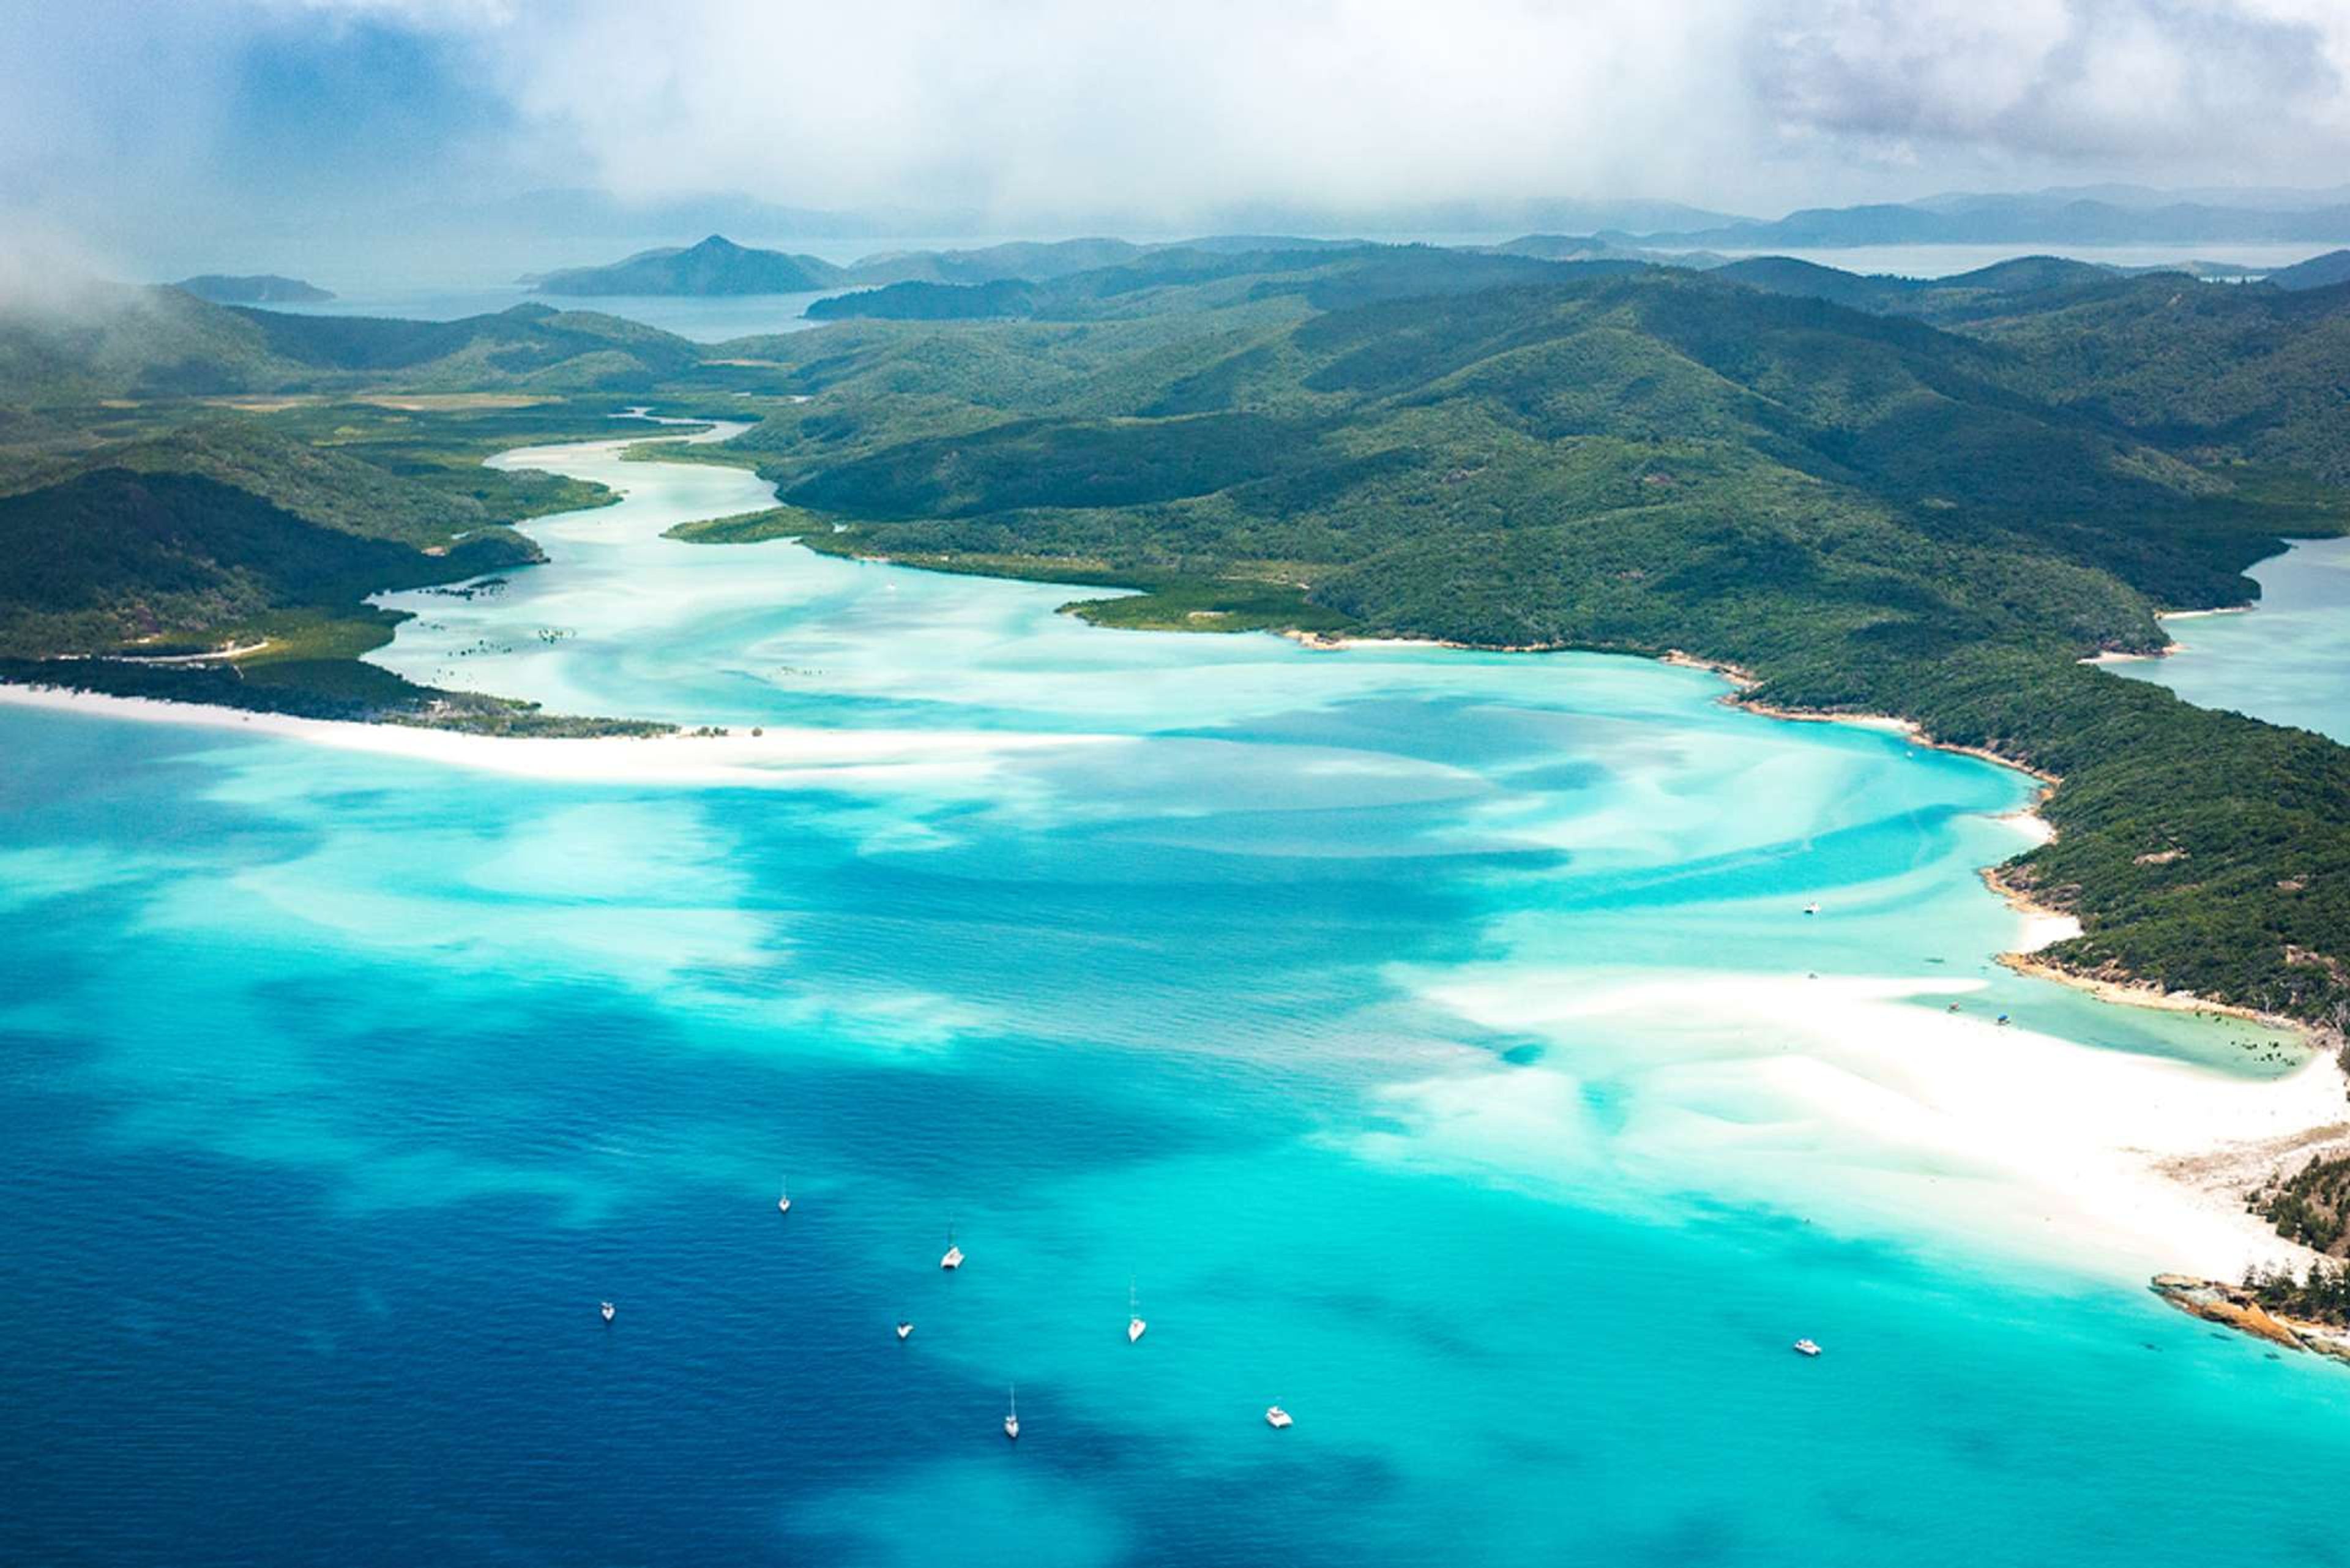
(1931, 502)
(253, 288)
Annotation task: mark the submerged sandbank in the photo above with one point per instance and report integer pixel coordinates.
(771, 756)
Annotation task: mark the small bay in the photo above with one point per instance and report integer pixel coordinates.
(2287, 660)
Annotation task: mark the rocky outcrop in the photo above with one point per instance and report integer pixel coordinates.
(2235, 1307)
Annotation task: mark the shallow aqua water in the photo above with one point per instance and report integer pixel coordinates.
(2286, 661)
(337, 1089)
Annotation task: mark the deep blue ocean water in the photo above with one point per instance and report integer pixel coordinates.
(337, 1089)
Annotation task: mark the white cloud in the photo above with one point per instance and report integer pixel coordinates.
(1029, 104)
(2255, 84)
(1031, 108)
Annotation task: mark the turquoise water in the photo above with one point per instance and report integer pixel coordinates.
(2287, 661)
(338, 1088)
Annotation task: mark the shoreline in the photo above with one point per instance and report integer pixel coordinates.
(2051, 919)
(1869, 1108)
(760, 756)
(2232, 1306)
(2218, 1177)
(2164, 1172)
(2174, 646)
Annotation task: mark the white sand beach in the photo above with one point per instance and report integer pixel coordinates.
(1860, 1103)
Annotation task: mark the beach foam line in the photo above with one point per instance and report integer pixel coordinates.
(785, 757)
(1857, 1102)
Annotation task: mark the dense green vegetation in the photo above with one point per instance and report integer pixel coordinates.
(117, 557)
(2312, 1206)
(133, 533)
(750, 528)
(2321, 1294)
(923, 301)
(154, 344)
(2245, 371)
(2317, 272)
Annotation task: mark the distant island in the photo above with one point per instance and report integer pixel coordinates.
(715, 267)
(253, 288)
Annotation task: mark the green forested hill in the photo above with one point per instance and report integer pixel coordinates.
(2251, 371)
(714, 266)
(114, 555)
(179, 529)
(115, 341)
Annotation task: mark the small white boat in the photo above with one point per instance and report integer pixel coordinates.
(607, 1310)
(1012, 1417)
(1807, 1347)
(1134, 1323)
(953, 1260)
(905, 1329)
(1275, 1417)
(784, 1203)
(1811, 909)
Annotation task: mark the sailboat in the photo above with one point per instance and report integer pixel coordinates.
(607, 1309)
(1012, 1417)
(953, 1260)
(784, 1203)
(1134, 1323)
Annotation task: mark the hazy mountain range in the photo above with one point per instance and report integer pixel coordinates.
(717, 265)
(2043, 218)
